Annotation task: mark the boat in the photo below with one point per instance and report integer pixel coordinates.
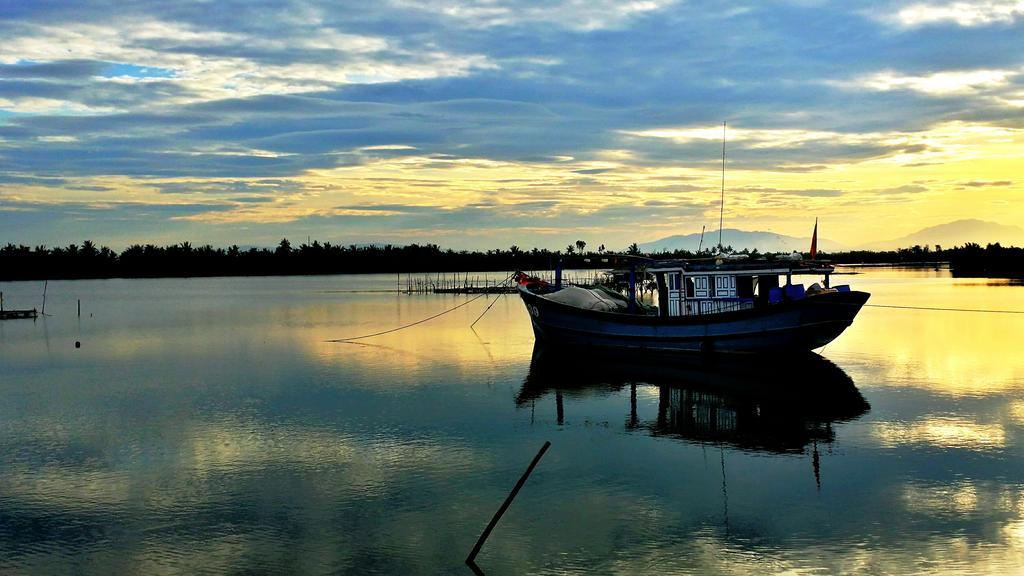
(721, 304)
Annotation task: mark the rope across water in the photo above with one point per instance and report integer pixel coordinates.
(429, 318)
(944, 309)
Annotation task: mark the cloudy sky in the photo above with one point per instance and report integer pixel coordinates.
(490, 122)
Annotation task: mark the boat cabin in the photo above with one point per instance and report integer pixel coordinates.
(712, 286)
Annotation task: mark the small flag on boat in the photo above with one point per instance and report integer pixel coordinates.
(814, 241)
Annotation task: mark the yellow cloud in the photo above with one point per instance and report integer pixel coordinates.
(856, 198)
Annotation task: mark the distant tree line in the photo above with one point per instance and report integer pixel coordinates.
(184, 260)
(969, 260)
(992, 261)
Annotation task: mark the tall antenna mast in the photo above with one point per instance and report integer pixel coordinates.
(721, 209)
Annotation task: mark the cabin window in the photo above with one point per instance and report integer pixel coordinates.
(689, 287)
(725, 286)
(700, 287)
(745, 286)
(673, 281)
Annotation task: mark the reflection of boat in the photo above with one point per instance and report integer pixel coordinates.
(702, 398)
(703, 305)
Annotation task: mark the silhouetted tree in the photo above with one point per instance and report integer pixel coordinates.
(137, 260)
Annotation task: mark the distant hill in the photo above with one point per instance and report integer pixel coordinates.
(955, 233)
(740, 239)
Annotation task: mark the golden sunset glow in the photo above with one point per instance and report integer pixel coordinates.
(951, 164)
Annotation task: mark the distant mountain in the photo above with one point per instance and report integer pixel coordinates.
(740, 239)
(955, 233)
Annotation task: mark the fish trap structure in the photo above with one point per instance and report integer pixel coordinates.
(464, 283)
(23, 314)
(18, 314)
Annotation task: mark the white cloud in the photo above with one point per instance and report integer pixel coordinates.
(31, 105)
(969, 14)
(206, 63)
(572, 14)
(758, 138)
(937, 84)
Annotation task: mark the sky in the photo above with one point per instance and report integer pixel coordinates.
(487, 123)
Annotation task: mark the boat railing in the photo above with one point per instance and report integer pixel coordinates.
(717, 306)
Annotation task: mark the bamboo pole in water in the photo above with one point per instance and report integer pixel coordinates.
(504, 506)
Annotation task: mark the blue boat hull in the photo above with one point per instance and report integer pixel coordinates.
(804, 324)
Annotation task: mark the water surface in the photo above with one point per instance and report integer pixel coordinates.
(208, 426)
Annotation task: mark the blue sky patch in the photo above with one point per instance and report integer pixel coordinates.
(115, 70)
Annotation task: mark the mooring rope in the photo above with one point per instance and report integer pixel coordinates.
(411, 324)
(486, 310)
(946, 309)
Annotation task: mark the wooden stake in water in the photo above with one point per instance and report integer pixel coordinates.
(504, 506)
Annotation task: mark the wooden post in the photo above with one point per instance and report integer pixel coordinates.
(504, 506)
(79, 307)
(559, 408)
(45, 283)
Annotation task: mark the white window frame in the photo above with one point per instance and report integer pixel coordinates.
(675, 294)
(725, 286)
(700, 287)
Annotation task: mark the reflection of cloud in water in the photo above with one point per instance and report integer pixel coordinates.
(936, 554)
(941, 432)
(67, 489)
(447, 340)
(957, 353)
(935, 498)
(1016, 410)
(238, 449)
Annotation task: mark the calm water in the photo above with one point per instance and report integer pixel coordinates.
(206, 426)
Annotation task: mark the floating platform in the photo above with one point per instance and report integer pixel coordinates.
(18, 314)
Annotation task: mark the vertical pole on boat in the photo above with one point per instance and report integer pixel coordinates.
(558, 275)
(721, 207)
(632, 287)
